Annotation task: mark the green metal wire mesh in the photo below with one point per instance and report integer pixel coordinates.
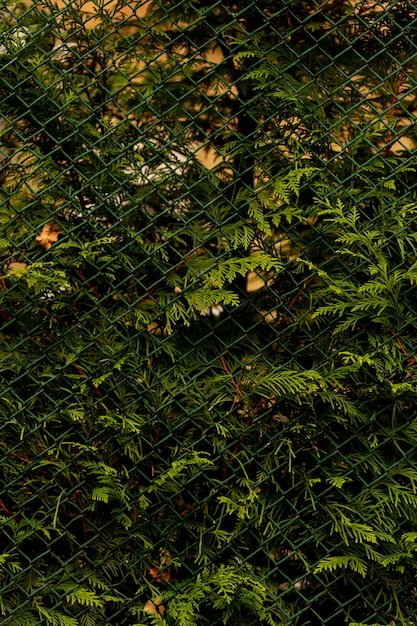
(207, 298)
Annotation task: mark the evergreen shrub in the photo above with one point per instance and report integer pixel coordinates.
(207, 356)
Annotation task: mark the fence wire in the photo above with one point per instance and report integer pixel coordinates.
(208, 318)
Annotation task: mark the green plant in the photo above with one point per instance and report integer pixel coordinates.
(179, 446)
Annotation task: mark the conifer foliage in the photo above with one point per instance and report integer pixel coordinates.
(208, 355)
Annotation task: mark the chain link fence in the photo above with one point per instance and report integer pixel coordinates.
(208, 319)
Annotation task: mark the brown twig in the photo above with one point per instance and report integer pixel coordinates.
(397, 138)
(5, 316)
(4, 508)
(78, 501)
(226, 466)
(81, 372)
(394, 101)
(401, 346)
(91, 288)
(15, 455)
(240, 394)
(299, 292)
(232, 380)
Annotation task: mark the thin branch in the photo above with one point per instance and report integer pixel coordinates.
(394, 102)
(299, 292)
(404, 352)
(82, 373)
(232, 380)
(4, 508)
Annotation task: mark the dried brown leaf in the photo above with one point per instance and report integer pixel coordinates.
(155, 606)
(160, 575)
(49, 235)
(15, 266)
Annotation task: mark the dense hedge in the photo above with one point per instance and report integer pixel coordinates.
(208, 372)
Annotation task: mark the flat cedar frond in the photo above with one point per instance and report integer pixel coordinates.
(208, 358)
